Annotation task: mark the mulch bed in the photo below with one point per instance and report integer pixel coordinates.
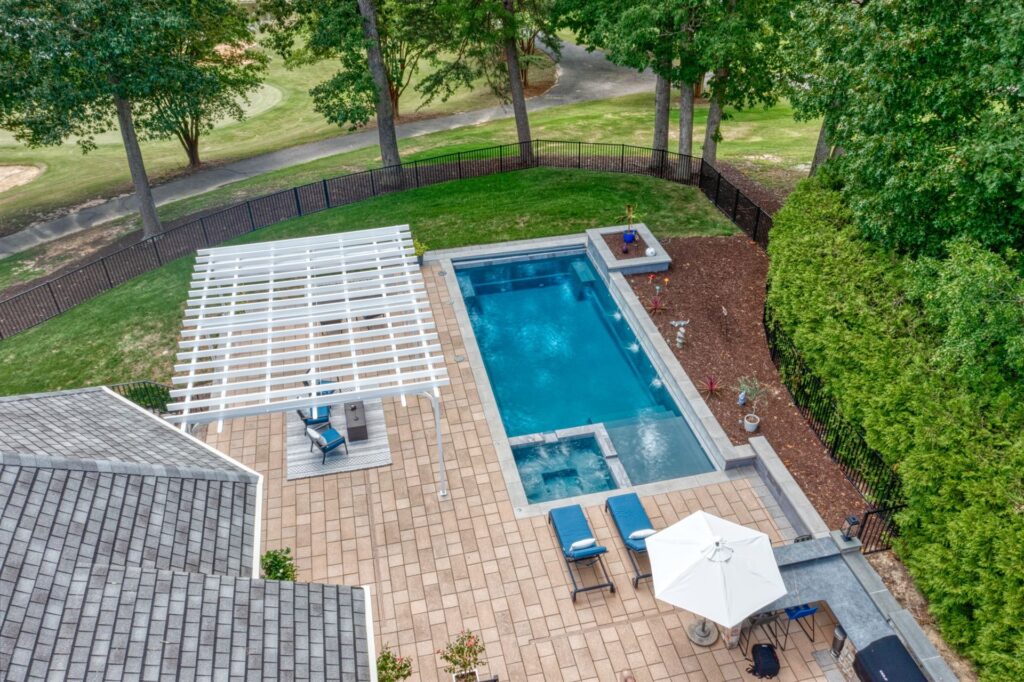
(634, 250)
(718, 284)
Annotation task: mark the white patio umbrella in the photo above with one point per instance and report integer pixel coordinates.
(714, 568)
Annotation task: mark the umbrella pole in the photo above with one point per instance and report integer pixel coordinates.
(702, 635)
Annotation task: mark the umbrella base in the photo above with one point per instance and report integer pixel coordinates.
(702, 633)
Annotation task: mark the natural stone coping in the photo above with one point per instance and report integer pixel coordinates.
(609, 262)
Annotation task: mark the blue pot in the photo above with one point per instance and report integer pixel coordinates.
(629, 237)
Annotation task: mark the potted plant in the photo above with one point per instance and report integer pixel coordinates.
(420, 249)
(462, 656)
(629, 235)
(752, 392)
(391, 667)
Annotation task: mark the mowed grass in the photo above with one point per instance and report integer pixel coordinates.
(131, 332)
(766, 143)
(769, 143)
(281, 115)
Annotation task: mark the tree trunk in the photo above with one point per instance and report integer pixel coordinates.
(386, 135)
(710, 152)
(515, 87)
(662, 104)
(686, 97)
(393, 95)
(147, 209)
(822, 150)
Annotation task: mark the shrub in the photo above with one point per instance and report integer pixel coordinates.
(278, 564)
(391, 667)
(923, 355)
(463, 654)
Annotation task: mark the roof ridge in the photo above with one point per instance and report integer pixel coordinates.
(120, 467)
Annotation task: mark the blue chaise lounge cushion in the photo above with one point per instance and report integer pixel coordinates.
(629, 515)
(570, 526)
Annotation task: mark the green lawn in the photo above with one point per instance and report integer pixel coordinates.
(131, 332)
(281, 115)
(767, 143)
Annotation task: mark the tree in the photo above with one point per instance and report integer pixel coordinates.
(221, 68)
(309, 31)
(640, 35)
(487, 40)
(73, 68)
(740, 42)
(378, 72)
(926, 99)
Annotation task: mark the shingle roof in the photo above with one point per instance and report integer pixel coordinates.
(130, 623)
(126, 550)
(92, 424)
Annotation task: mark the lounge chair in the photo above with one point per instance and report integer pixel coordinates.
(328, 441)
(578, 545)
(316, 416)
(634, 527)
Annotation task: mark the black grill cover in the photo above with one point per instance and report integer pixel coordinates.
(886, 660)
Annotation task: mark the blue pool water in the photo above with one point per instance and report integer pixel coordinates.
(551, 471)
(559, 354)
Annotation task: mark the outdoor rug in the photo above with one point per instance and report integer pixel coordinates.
(367, 454)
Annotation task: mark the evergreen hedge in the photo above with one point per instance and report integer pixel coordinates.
(866, 322)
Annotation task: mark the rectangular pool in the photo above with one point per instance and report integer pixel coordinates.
(559, 354)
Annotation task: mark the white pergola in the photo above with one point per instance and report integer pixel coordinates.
(302, 323)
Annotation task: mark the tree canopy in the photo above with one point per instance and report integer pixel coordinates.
(221, 66)
(925, 99)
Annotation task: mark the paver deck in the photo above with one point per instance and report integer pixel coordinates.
(437, 566)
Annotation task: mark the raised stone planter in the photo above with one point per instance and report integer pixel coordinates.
(609, 262)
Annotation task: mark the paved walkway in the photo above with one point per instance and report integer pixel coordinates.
(582, 76)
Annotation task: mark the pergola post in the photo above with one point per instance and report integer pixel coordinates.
(442, 478)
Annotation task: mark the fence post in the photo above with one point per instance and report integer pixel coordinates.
(579, 155)
(622, 158)
(416, 171)
(458, 158)
(298, 203)
(252, 219)
(206, 235)
(661, 163)
(735, 204)
(327, 195)
(106, 271)
(56, 306)
(373, 184)
(718, 186)
(757, 223)
(156, 249)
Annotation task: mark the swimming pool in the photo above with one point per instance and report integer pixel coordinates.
(559, 354)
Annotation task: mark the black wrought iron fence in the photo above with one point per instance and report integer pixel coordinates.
(862, 465)
(53, 297)
(878, 528)
(148, 394)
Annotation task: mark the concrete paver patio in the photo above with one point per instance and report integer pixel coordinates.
(437, 566)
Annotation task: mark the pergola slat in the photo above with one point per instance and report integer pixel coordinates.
(267, 321)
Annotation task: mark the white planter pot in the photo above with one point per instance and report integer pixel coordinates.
(473, 675)
(751, 422)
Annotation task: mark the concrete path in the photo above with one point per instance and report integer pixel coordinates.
(582, 76)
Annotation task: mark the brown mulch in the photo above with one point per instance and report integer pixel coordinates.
(768, 200)
(718, 284)
(634, 250)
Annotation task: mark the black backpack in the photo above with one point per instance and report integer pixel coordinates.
(765, 661)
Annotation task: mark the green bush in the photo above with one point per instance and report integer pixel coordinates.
(924, 356)
(278, 564)
(391, 667)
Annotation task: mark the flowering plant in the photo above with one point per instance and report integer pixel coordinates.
(462, 655)
(391, 667)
